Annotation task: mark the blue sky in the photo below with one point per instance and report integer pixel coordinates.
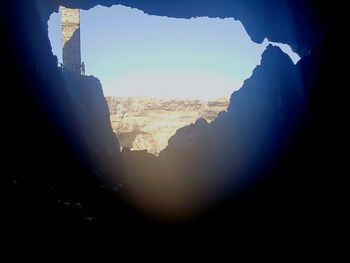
(134, 54)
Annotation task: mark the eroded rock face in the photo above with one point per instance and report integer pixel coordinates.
(148, 123)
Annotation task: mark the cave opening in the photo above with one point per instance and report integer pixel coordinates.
(203, 162)
(160, 74)
(235, 145)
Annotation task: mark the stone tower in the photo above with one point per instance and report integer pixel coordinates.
(70, 19)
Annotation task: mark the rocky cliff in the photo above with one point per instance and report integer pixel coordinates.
(148, 123)
(86, 105)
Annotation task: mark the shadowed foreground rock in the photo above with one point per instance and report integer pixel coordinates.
(206, 162)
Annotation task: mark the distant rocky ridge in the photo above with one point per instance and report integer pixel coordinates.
(147, 123)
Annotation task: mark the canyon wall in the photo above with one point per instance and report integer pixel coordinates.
(143, 123)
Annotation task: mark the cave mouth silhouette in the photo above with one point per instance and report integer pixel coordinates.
(50, 188)
(178, 185)
(44, 195)
(168, 195)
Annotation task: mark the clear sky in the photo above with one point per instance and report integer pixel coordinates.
(134, 54)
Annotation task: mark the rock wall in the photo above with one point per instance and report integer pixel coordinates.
(70, 19)
(90, 115)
